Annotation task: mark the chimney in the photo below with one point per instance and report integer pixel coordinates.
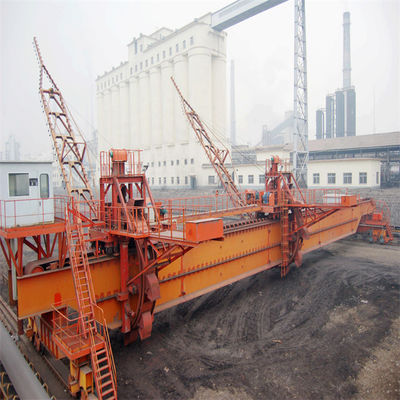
(346, 51)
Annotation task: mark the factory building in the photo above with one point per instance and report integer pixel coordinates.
(353, 162)
(139, 108)
(338, 119)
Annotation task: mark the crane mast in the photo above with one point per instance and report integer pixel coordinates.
(216, 156)
(70, 152)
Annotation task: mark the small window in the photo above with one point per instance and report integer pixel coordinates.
(158, 57)
(261, 178)
(177, 162)
(131, 70)
(164, 163)
(152, 60)
(240, 177)
(146, 63)
(177, 180)
(211, 180)
(331, 178)
(170, 51)
(347, 178)
(315, 178)
(44, 186)
(250, 179)
(172, 162)
(172, 179)
(185, 161)
(184, 44)
(192, 161)
(152, 181)
(165, 180)
(152, 163)
(159, 163)
(136, 68)
(18, 184)
(377, 178)
(191, 41)
(363, 178)
(159, 181)
(177, 47)
(141, 65)
(186, 180)
(163, 54)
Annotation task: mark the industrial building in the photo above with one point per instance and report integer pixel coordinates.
(357, 161)
(138, 107)
(338, 118)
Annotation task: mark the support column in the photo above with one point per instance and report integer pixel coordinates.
(168, 93)
(219, 95)
(155, 106)
(180, 76)
(115, 131)
(134, 114)
(144, 112)
(200, 83)
(124, 115)
(123, 296)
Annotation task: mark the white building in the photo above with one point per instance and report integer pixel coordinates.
(345, 173)
(139, 108)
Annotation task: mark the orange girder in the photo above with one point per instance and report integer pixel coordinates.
(204, 268)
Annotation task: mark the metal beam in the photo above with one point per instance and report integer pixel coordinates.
(239, 11)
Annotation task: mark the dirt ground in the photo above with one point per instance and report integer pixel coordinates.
(329, 330)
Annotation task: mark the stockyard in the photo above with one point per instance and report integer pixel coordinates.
(184, 251)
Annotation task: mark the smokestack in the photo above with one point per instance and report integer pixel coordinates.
(233, 112)
(346, 51)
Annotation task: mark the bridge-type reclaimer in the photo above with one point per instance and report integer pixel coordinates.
(116, 261)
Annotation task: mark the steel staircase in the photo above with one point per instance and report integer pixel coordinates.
(92, 323)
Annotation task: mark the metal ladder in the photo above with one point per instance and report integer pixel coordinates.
(95, 329)
(285, 235)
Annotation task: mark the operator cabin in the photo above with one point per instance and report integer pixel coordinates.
(26, 193)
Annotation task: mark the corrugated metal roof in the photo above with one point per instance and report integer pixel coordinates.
(356, 142)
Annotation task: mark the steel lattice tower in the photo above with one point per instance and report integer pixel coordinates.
(300, 107)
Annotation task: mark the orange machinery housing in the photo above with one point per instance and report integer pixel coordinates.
(116, 262)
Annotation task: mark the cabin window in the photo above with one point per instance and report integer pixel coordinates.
(18, 184)
(44, 186)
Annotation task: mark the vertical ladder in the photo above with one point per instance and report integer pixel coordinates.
(285, 235)
(96, 331)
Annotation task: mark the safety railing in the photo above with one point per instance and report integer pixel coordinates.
(67, 328)
(28, 212)
(214, 203)
(168, 219)
(327, 197)
(101, 328)
(130, 159)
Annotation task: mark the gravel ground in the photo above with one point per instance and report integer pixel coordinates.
(329, 330)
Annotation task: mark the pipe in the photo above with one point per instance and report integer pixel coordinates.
(19, 372)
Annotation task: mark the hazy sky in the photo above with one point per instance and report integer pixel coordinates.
(81, 39)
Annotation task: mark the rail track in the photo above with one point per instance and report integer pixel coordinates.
(10, 321)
